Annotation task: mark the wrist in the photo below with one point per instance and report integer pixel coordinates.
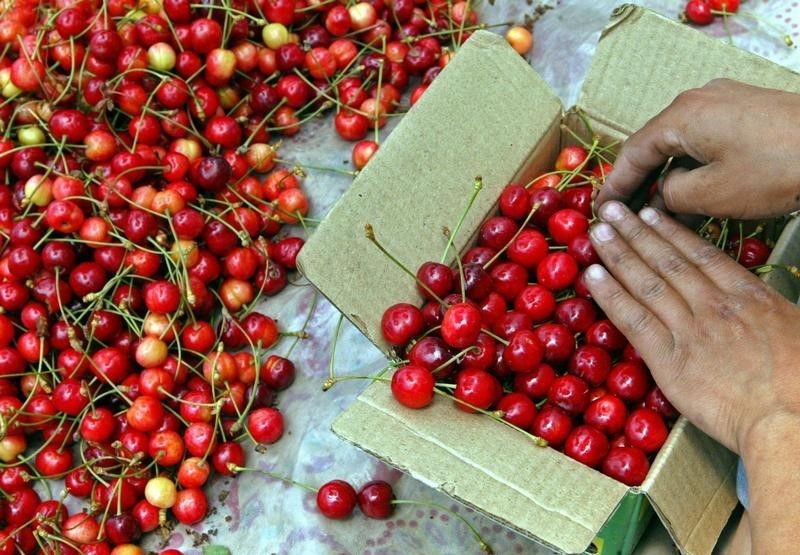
(776, 431)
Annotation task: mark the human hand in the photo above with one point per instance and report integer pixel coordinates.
(746, 139)
(720, 343)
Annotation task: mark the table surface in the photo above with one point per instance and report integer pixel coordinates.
(254, 514)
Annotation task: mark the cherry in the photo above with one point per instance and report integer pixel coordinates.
(577, 314)
(336, 499)
(228, 454)
(509, 279)
(656, 401)
(482, 355)
(646, 430)
(412, 386)
(375, 497)
(510, 323)
(477, 282)
(569, 393)
(552, 424)
(496, 232)
(461, 325)
(605, 335)
(528, 248)
(590, 363)
(401, 323)
(699, 12)
(476, 387)
(557, 271)
(277, 372)
(524, 351)
(607, 414)
(122, 529)
(190, 506)
(436, 277)
(751, 252)
(265, 425)
(586, 445)
(581, 249)
(558, 341)
(580, 199)
(492, 308)
(628, 380)
(566, 224)
(571, 158)
(515, 202)
(628, 465)
(517, 409)
(430, 353)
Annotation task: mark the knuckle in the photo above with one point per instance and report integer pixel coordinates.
(651, 288)
(672, 265)
(638, 322)
(707, 256)
(619, 258)
(718, 82)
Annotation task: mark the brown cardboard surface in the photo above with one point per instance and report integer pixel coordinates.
(692, 487)
(421, 178)
(534, 490)
(644, 60)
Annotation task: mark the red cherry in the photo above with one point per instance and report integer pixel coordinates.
(559, 343)
(265, 425)
(629, 381)
(412, 386)
(477, 282)
(535, 384)
(607, 414)
(478, 388)
(524, 351)
(646, 430)
(552, 424)
(557, 271)
(586, 445)
(437, 277)
(509, 279)
(698, 12)
(605, 335)
(590, 363)
(336, 499)
(375, 499)
(517, 409)
(569, 393)
(515, 202)
(571, 158)
(577, 314)
(461, 325)
(430, 353)
(190, 506)
(566, 224)
(537, 302)
(496, 232)
(657, 402)
(629, 465)
(401, 323)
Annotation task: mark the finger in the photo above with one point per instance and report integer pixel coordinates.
(694, 191)
(718, 267)
(642, 328)
(643, 152)
(640, 280)
(658, 255)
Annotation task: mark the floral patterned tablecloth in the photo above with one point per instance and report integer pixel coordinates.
(254, 514)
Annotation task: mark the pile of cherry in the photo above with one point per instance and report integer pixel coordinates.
(141, 216)
(513, 333)
(703, 12)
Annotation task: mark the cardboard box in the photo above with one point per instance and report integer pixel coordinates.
(490, 114)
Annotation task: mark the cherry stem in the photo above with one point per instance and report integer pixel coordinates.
(476, 188)
(236, 469)
(494, 415)
(370, 234)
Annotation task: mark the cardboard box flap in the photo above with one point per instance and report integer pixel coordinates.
(643, 60)
(491, 467)
(694, 492)
(434, 154)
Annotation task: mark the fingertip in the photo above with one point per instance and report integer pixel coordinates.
(595, 273)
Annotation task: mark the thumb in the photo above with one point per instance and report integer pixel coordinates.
(692, 191)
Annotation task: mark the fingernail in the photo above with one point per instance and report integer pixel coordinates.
(612, 211)
(649, 215)
(602, 232)
(595, 272)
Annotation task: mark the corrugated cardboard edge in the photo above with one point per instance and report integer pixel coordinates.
(632, 75)
(436, 161)
(692, 463)
(536, 491)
